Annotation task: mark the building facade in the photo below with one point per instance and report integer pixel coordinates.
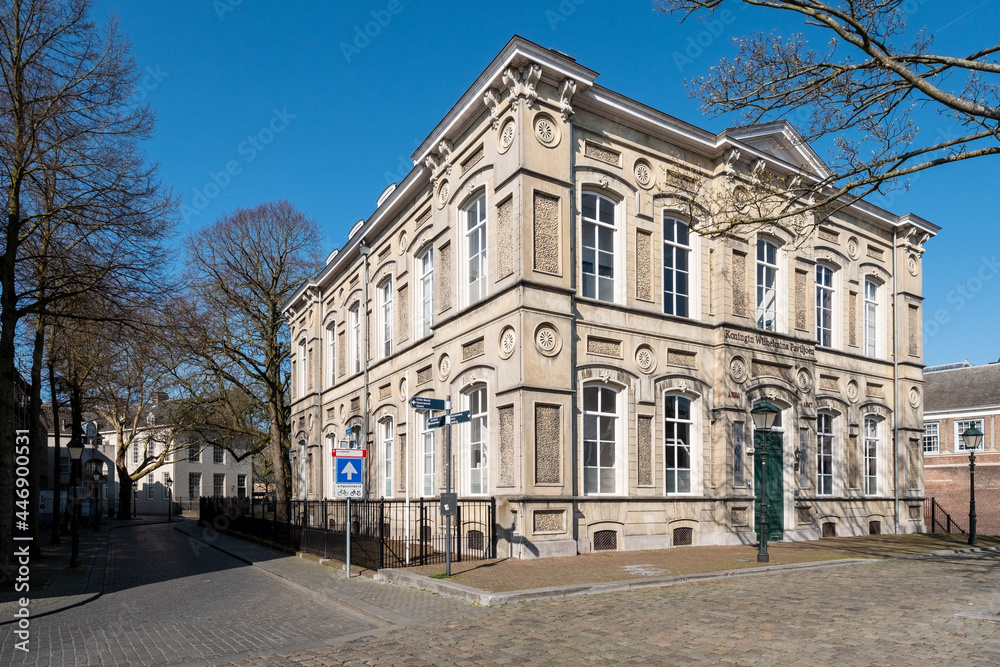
(542, 265)
(959, 396)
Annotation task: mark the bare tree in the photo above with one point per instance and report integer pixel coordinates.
(865, 88)
(241, 270)
(70, 166)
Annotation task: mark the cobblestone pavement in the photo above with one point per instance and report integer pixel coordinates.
(168, 603)
(894, 612)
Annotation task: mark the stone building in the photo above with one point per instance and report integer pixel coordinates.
(959, 396)
(540, 266)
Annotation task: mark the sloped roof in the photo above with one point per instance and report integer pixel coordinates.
(962, 388)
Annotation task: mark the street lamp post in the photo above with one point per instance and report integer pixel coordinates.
(764, 415)
(75, 448)
(972, 439)
(94, 508)
(170, 501)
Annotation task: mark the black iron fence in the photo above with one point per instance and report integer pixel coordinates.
(938, 520)
(384, 533)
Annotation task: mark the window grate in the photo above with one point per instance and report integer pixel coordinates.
(606, 540)
(683, 537)
(829, 529)
(874, 527)
(476, 540)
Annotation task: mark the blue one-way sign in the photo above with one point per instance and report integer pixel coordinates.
(349, 470)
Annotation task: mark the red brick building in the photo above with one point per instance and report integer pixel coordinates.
(956, 397)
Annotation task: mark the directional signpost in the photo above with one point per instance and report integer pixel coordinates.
(349, 473)
(449, 500)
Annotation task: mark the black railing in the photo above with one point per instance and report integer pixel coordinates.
(384, 533)
(940, 520)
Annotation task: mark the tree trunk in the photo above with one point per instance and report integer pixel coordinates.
(124, 491)
(57, 455)
(8, 387)
(279, 461)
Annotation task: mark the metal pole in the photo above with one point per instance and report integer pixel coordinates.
(350, 525)
(973, 541)
(447, 483)
(75, 517)
(765, 509)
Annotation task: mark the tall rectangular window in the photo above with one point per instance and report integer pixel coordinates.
(871, 318)
(475, 244)
(824, 454)
(425, 274)
(767, 285)
(676, 273)
(166, 492)
(241, 486)
(677, 443)
(961, 425)
(871, 456)
(932, 438)
(303, 368)
(331, 356)
(218, 454)
(387, 458)
(478, 430)
(150, 486)
(194, 485)
(598, 243)
(738, 474)
(427, 454)
(194, 453)
(600, 440)
(354, 327)
(219, 484)
(385, 317)
(135, 453)
(824, 305)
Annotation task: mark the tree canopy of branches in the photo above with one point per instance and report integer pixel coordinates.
(231, 329)
(84, 211)
(866, 87)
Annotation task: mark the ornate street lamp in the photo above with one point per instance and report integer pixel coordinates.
(764, 414)
(972, 439)
(75, 449)
(167, 481)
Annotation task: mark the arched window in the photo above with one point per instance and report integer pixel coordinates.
(601, 458)
(386, 437)
(676, 269)
(767, 285)
(303, 368)
(824, 454)
(354, 331)
(871, 455)
(385, 318)
(425, 301)
(824, 305)
(331, 348)
(677, 431)
(871, 328)
(478, 441)
(475, 249)
(598, 243)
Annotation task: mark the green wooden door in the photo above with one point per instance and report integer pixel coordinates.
(775, 484)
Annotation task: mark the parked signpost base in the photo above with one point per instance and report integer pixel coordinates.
(349, 471)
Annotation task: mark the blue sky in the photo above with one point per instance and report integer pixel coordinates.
(257, 101)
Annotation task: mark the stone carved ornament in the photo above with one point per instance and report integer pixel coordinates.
(566, 92)
(521, 83)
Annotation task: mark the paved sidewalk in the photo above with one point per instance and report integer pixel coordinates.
(54, 585)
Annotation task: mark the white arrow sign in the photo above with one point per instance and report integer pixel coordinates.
(349, 471)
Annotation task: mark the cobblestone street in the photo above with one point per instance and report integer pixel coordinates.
(172, 600)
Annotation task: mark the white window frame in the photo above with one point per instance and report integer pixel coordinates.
(428, 456)
(218, 452)
(385, 318)
(673, 249)
(672, 423)
(961, 425)
(825, 293)
(150, 486)
(302, 367)
(932, 440)
(477, 402)
(135, 453)
(192, 476)
(870, 451)
(617, 250)
(425, 297)
(354, 336)
(241, 484)
(166, 492)
(619, 448)
(825, 442)
(474, 214)
(870, 315)
(763, 269)
(388, 433)
(331, 354)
